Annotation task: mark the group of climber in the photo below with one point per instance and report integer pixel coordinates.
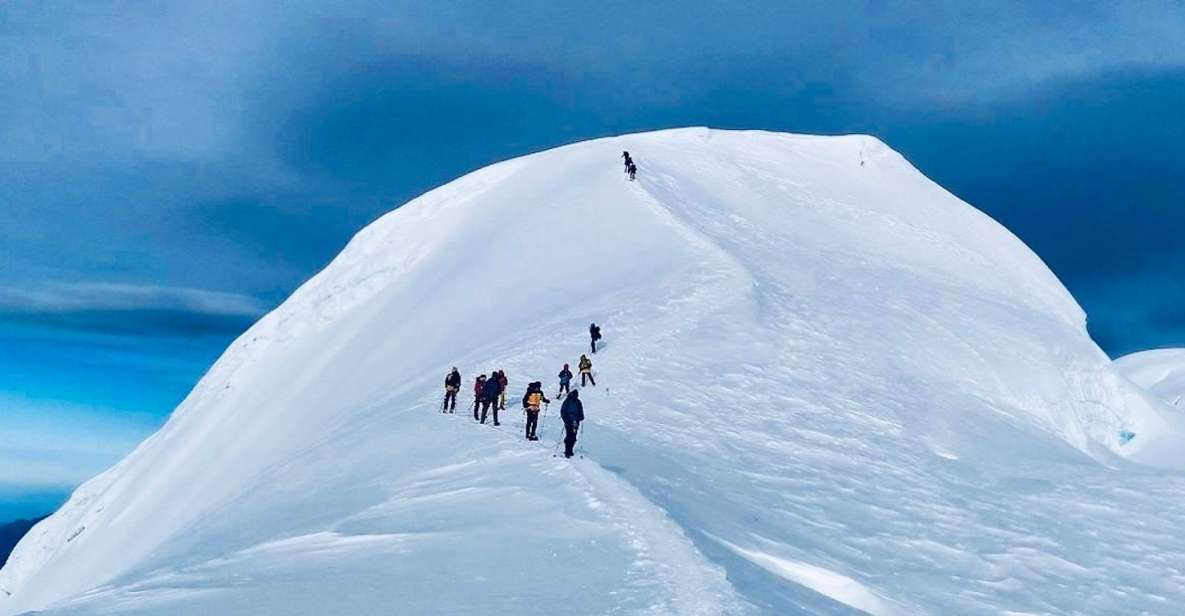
(586, 375)
(571, 413)
(630, 168)
(490, 393)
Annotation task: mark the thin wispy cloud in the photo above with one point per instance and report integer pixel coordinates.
(77, 296)
(128, 309)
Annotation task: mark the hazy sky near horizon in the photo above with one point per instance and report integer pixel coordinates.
(169, 171)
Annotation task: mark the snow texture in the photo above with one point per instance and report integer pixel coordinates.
(827, 386)
(1161, 372)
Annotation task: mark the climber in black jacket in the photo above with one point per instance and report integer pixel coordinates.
(572, 412)
(489, 398)
(452, 384)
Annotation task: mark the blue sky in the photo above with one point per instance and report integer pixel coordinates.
(169, 171)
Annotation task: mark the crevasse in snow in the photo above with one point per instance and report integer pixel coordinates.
(826, 384)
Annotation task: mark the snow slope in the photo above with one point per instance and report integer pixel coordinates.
(1161, 372)
(827, 386)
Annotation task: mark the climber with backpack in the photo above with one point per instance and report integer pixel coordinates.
(532, 400)
(565, 381)
(489, 398)
(594, 334)
(452, 384)
(632, 170)
(572, 412)
(627, 161)
(478, 386)
(586, 375)
(502, 383)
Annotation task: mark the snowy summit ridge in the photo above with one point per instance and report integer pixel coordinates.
(827, 384)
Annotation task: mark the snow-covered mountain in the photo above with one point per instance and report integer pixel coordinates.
(827, 385)
(1161, 372)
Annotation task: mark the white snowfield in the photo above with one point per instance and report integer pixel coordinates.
(1161, 372)
(827, 386)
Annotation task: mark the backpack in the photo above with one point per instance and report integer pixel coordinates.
(534, 399)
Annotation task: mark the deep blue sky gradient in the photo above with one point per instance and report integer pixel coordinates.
(169, 171)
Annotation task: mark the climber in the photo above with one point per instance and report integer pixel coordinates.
(632, 169)
(452, 384)
(586, 375)
(565, 381)
(625, 159)
(594, 334)
(478, 387)
(531, 402)
(572, 412)
(502, 383)
(489, 398)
